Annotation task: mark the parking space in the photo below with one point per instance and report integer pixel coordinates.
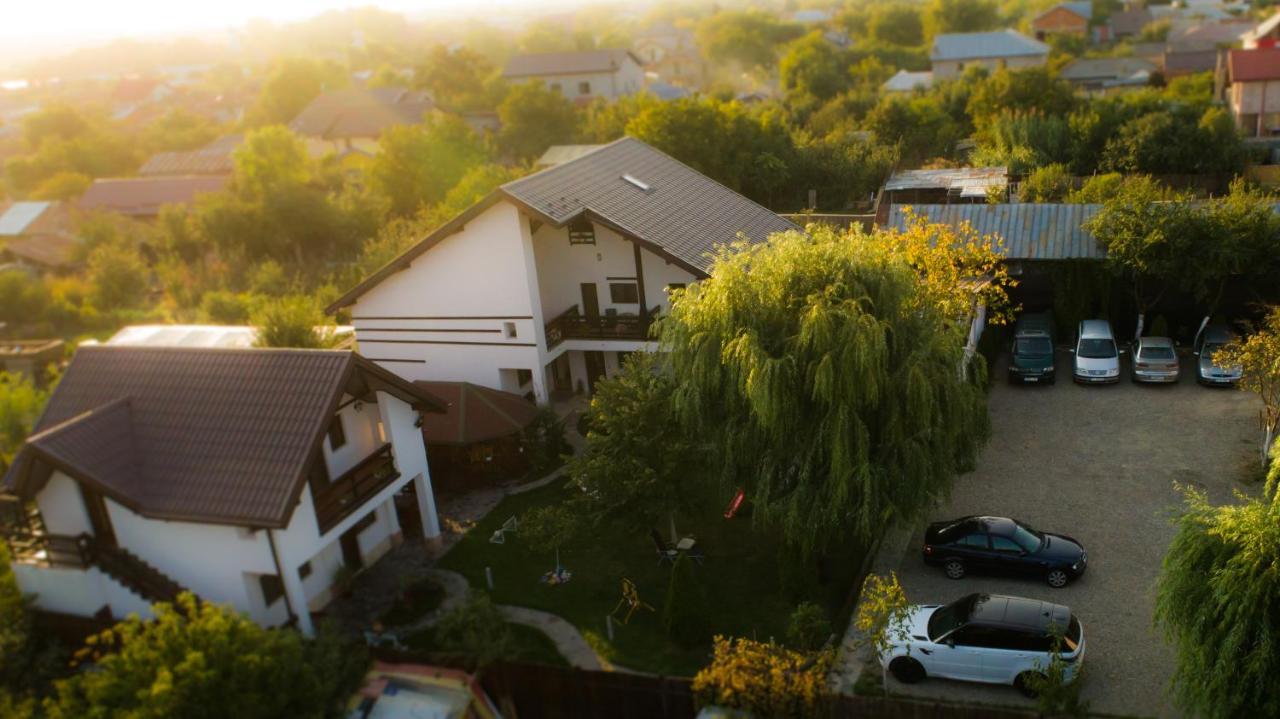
(1098, 463)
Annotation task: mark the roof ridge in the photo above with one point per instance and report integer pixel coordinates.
(77, 419)
(219, 350)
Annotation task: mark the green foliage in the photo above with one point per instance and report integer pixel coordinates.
(750, 38)
(458, 78)
(764, 680)
(637, 457)
(896, 23)
(917, 124)
(534, 118)
(1058, 693)
(1097, 189)
(270, 159)
(883, 614)
(23, 298)
(226, 308)
(546, 529)
(475, 629)
(61, 138)
(684, 604)
(63, 185)
(417, 165)
(1033, 90)
(291, 85)
(1155, 31)
(179, 129)
(962, 16)
(28, 660)
(813, 67)
(823, 372)
(201, 660)
(1175, 142)
(543, 442)
(1050, 183)
(809, 628)
(293, 321)
(1217, 600)
(21, 403)
(606, 121)
(118, 277)
(1258, 357)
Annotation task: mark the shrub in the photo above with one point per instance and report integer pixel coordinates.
(543, 442)
(475, 628)
(226, 307)
(766, 680)
(293, 322)
(808, 628)
(1050, 183)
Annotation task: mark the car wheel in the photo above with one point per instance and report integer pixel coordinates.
(1058, 578)
(954, 569)
(1026, 683)
(906, 670)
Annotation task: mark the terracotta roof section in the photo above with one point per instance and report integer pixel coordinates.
(475, 413)
(55, 251)
(567, 63)
(673, 210)
(1254, 65)
(360, 112)
(144, 196)
(207, 435)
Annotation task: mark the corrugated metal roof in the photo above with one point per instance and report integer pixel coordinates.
(971, 181)
(970, 45)
(215, 435)
(567, 63)
(1027, 231)
(19, 216)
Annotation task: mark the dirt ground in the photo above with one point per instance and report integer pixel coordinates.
(1098, 464)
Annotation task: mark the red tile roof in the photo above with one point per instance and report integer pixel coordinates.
(475, 413)
(144, 196)
(207, 435)
(1254, 65)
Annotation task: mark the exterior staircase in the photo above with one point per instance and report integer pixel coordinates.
(135, 574)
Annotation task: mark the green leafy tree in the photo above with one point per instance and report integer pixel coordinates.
(813, 67)
(883, 616)
(917, 125)
(458, 78)
(1258, 357)
(1033, 90)
(61, 138)
(1175, 141)
(291, 84)
(417, 164)
(270, 158)
(962, 16)
(28, 659)
(637, 456)
(294, 321)
(1097, 189)
(475, 629)
(63, 185)
(546, 529)
(824, 371)
(808, 627)
(21, 403)
(119, 278)
(24, 299)
(533, 119)
(1217, 600)
(1050, 183)
(179, 129)
(197, 659)
(750, 38)
(896, 23)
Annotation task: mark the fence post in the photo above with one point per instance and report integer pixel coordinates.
(488, 577)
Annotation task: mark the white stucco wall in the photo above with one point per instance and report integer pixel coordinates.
(78, 592)
(363, 436)
(62, 507)
(626, 80)
(943, 69)
(1253, 98)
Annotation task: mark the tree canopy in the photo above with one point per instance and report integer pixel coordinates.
(534, 118)
(825, 371)
(417, 165)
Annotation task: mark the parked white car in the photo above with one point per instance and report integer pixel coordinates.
(986, 638)
(1097, 359)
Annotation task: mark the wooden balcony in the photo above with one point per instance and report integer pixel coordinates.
(354, 487)
(573, 325)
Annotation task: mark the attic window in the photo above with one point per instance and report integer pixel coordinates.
(582, 232)
(644, 186)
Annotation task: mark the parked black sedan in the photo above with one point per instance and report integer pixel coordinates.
(997, 544)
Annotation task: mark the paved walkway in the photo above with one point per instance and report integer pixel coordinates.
(568, 640)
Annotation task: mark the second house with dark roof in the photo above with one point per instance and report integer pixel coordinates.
(257, 478)
(580, 76)
(545, 285)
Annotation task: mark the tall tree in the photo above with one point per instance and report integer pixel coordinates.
(813, 67)
(457, 78)
(290, 85)
(824, 370)
(295, 321)
(1218, 600)
(750, 38)
(962, 16)
(1258, 357)
(896, 23)
(533, 119)
(21, 403)
(417, 164)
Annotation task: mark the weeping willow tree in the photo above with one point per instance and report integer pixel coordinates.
(1218, 601)
(828, 371)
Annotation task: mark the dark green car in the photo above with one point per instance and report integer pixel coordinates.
(1031, 358)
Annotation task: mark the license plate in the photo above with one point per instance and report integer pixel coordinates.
(1031, 379)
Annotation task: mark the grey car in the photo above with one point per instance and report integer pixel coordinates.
(1155, 359)
(1210, 340)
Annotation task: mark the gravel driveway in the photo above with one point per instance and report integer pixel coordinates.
(1098, 464)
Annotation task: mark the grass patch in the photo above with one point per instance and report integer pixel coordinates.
(743, 589)
(417, 600)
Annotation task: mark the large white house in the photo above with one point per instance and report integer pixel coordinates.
(547, 283)
(580, 76)
(246, 476)
(953, 53)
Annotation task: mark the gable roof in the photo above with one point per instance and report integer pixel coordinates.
(906, 81)
(206, 435)
(1207, 35)
(48, 250)
(19, 216)
(212, 159)
(1254, 65)
(567, 63)
(682, 216)
(360, 112)
(144, 196)
(1264, 28)
(971, 45)
(1081, 9)
(1106, 68)
(475, 413)
(1027, 231)
(1131, 21)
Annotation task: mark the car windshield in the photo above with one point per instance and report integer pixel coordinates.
(946, 618)
(1026, 537)
(1157, 353)
(1033, 346)
(1211, 347)
(1097, 349)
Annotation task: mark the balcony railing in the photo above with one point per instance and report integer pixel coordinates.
(572, 325)
(354, 487)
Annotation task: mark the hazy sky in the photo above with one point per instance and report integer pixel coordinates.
(32, 21)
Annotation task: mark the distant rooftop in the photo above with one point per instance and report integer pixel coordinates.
(560, 154)
(567, 63)
(1026, 231)
(205, 336)
(970, 181)
(1107, 68)
(361, 113)
(144, 196)
(19, 216)
(973, 45)
(906, 81)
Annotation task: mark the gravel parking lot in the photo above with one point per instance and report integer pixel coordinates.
(1098, 464)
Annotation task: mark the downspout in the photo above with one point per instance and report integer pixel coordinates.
(275, 557)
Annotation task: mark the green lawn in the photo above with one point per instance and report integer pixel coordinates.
(527, 645)
(738, 590)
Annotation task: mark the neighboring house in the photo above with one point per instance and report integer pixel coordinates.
(30, 357)
(670, 54)
(945, 186)
(1254, 92)
(38, 235)
(580, 76)
(216, 158)
(142, 197)
(1195, 36)
(907, 81)
(248, 477)
(1108, 75)
(560, 154)
(1265, 35)
(354, 119)
(1068, 18)
(954, 52)
(133, 92)
(1179, 62)
(1129, 21)
(549, 281)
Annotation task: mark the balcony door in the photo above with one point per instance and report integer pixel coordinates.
(595, 369)
(590, 302)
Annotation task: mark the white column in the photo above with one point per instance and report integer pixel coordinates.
(540, 394)
(411, 456)
(427, 506)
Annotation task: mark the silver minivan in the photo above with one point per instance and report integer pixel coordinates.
(1097, 358)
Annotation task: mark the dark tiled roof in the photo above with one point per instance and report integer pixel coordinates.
(1180, 62)
(360, 112)
(1130, 22)
(567, 63)
(144, 196)
(683, 212)
(475, 413)
(683, 215)
(212, 435)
